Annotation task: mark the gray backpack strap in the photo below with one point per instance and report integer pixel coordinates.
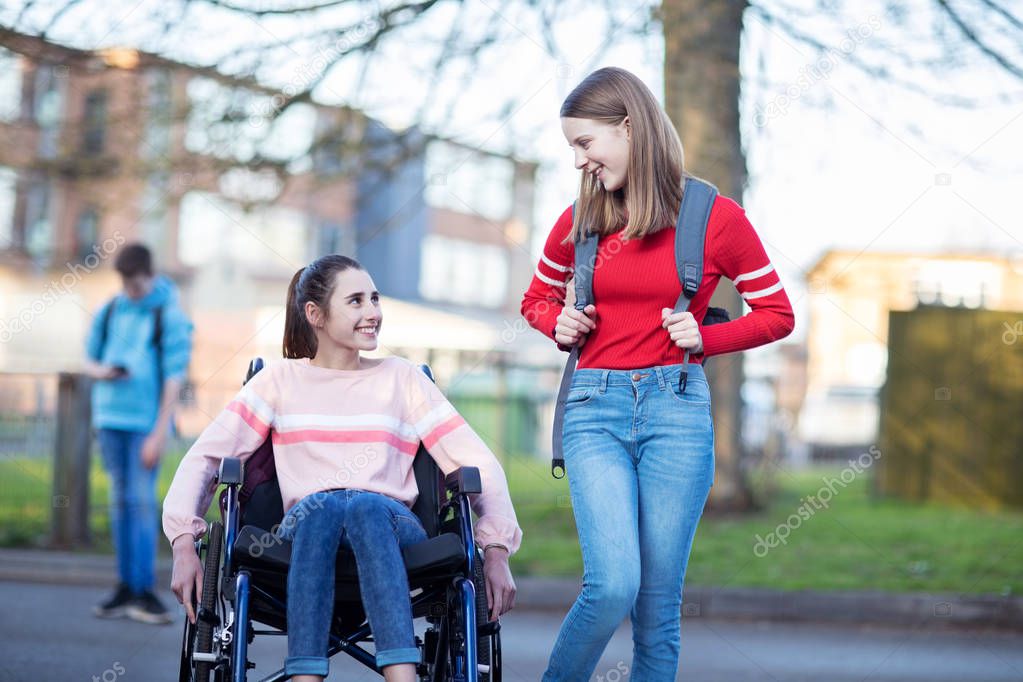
(158, 345)
(690, 230)
(104, 327)
(585, 258)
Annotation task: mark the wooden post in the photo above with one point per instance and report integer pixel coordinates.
(70, 501)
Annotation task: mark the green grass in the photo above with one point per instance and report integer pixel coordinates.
(26, 499)
(856, 543)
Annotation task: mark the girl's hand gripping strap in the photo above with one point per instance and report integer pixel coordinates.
(690, 230)
(585, 258)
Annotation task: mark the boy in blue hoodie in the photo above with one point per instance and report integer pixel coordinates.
(137, 352)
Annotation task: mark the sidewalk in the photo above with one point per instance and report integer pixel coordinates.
(928, 611)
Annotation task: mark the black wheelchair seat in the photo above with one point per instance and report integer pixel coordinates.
(258, 548)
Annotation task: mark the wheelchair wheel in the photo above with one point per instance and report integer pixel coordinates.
(206, 619)
(187, 642)
(453, 634)
(483, 644)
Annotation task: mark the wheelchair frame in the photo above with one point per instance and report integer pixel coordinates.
(218, 643)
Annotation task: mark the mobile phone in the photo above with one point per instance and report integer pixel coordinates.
(120, 371)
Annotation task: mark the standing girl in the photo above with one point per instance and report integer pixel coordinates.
(345, 430)
(639, 450)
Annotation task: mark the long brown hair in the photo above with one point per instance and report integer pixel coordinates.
(656, 161)
(315, 282)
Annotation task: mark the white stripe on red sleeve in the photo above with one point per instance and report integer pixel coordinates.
(548, 280)
(754, 274)
(760, 293)
(551, 264)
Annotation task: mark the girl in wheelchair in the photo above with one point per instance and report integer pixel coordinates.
(344, 429)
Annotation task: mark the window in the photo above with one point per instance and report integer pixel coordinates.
(469, 181)
(153, 211)
(38, 228)
(459, 271)
(10, 86)
(159, 106)
(94, 122)
(216, 231)
(86, 232)
(8, 196)
(332, 237)
(47, 105)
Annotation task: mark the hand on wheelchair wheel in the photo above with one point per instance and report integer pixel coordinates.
(186, 577)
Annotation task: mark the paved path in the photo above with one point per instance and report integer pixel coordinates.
(47, 633)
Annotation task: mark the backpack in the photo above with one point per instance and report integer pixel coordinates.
(156, 341)
(268, 506)
(690, 231)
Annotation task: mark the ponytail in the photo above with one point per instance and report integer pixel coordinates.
(299, 339)
(315, 283)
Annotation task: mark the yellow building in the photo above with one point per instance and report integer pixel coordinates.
(850, 294)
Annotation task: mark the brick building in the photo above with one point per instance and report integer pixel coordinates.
(235, 188)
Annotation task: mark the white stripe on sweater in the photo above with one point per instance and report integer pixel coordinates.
(435, 417)
(259, 406)
(760, 272)
(360, 422)
(763, 292)
(551, 264)
(544, 278)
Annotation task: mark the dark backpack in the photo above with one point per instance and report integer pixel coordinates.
(690, 232)
(267, 508)
(156, 341)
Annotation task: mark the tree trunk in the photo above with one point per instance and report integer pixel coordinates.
(701, 83)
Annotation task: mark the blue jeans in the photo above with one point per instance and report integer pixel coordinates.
(133, 508)
(375, 528)
(639, 455)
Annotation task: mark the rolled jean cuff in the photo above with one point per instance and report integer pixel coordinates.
(306, 665)
(395, 656)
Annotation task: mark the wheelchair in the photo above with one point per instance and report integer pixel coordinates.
(246, 567)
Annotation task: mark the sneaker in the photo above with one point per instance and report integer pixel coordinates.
(116, 605)
(147, 608)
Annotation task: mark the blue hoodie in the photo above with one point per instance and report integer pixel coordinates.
(132, 403)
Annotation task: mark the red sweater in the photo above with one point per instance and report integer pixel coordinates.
(635, 279)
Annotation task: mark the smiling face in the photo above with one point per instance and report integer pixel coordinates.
(601, 149)
(353, 318)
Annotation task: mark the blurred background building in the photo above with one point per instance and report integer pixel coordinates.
(234, 188)
(851, 295)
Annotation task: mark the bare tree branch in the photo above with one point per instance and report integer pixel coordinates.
(972, 36)
(1004, 13)
(57, 16)
(875, 71)
(262, 12)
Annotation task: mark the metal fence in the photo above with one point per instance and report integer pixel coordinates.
(28, 407)
(28, 404)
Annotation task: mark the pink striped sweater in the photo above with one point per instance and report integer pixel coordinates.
(341, 429)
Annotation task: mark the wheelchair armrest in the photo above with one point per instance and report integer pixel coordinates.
(230, 471)
(465, 480)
